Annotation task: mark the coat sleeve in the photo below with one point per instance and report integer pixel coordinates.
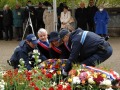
(95, 18)
(25, 57)
(107, 18)
(65, 19)
(44, 16)
(75, 52)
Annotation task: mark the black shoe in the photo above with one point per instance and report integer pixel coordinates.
(107, 37)
(8, 61)
(10, 39)
(6, 39)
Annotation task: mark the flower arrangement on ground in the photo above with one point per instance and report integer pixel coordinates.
(47, 76)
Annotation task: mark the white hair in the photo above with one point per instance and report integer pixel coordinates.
(5, 6)
(42, 30)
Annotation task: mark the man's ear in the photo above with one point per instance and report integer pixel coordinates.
(27, 41)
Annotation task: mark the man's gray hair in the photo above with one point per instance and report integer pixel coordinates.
(42, 30)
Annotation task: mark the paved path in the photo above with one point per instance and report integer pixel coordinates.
(7, 48)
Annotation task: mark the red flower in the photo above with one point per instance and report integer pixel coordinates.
(44, 88)
(51, 88)
(57, 66)
(32, 84)
(36, 88)
(39, 77)
(43, 71)
(68, 87)
(59, 87)
(29, 78)
(49, 75)
(98, 79)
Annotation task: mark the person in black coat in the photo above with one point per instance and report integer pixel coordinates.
(39, 16)
(58, 49)
(1, 25)
(86, 48)
(24, 50)
(55, 51)
(30, 12)
(81, 16)
(59, 10)
(91, 10)
(8, 22)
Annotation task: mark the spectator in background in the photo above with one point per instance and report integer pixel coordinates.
(1, 25)
(43, 43)
(91, 10)
(48, 18)
(65, 19)
(39, 16)
(18, 21)
(8, 22)
(59, 10)
(81, 16)
(101, 20)
(29, 9)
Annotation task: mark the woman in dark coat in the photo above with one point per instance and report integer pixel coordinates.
(8, 22)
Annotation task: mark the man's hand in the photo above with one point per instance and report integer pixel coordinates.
(64, 73)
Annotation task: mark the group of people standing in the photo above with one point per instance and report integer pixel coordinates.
(92, 18)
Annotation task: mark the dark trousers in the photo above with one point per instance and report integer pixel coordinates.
(91, 26)
(19, 32)
(40, 24)
(99, 57)
(83, 26)
(8, 32)
(1, 33)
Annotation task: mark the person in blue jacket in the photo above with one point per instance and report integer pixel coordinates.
(24, 51)
(101, 19)
(86, 48)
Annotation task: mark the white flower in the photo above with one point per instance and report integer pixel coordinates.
(39, 60)
(51, 71)
(33, 56)
(106, 82)
(21, 60)
(91, 81)
(35, 51)
(2, 87)
(76, 80)
(54, 84)
(37, 57)
(30, 62)
(2, 83)
(109, 89)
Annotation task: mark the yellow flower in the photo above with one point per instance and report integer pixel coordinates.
(59, 72)
(70, 80)
(104, 75)
(63, 65)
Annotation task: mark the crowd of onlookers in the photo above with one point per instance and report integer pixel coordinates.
(90, 18)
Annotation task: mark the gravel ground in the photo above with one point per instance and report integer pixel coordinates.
(7, 48)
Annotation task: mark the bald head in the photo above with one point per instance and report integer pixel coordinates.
(82, 4)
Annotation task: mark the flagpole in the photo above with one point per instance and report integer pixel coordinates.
(55, 15)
